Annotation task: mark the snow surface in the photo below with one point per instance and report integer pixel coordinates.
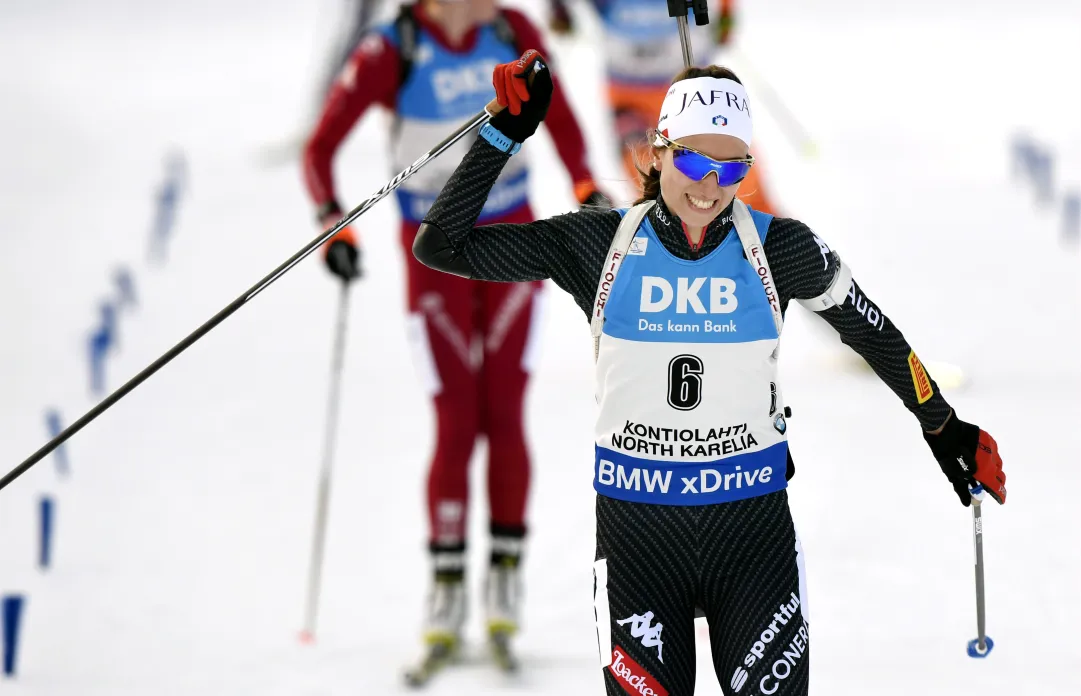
(183, 533)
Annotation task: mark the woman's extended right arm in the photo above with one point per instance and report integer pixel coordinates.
(565, 248)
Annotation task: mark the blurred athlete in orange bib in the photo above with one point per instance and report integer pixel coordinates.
(432, 67)
(642, 53)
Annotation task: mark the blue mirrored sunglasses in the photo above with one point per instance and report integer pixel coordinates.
(697, 166)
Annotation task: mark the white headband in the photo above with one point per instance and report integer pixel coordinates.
(706, 105)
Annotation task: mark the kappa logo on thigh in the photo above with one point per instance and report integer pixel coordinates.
(641, 628)
(632, 676)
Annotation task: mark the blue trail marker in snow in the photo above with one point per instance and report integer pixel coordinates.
(167, 199)
(1043, 176)
(125, 286)
(1071, 217)
(11, 615)
(1021, 155)
(54, 425)
(101, 341)
(1034, 163)
(46, 518)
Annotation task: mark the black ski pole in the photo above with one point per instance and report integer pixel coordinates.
(678, 9)
(475, 121)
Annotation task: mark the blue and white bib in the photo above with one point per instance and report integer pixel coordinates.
(686, 374)
(443, 89)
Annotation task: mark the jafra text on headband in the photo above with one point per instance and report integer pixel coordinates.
(706, 105)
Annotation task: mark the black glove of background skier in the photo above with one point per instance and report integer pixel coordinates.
(341, 253)
(524, 89)
(968, 455)
(343, 256)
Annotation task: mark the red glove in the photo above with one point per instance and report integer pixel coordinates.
(513, 80)
(524, 89)
(968, 456)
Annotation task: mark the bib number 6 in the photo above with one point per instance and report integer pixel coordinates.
(685, 382)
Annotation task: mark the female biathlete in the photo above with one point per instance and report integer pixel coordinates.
(686, 293)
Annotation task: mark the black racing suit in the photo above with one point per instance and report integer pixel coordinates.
(738, 562)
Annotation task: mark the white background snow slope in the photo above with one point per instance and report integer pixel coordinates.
(184, 530)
